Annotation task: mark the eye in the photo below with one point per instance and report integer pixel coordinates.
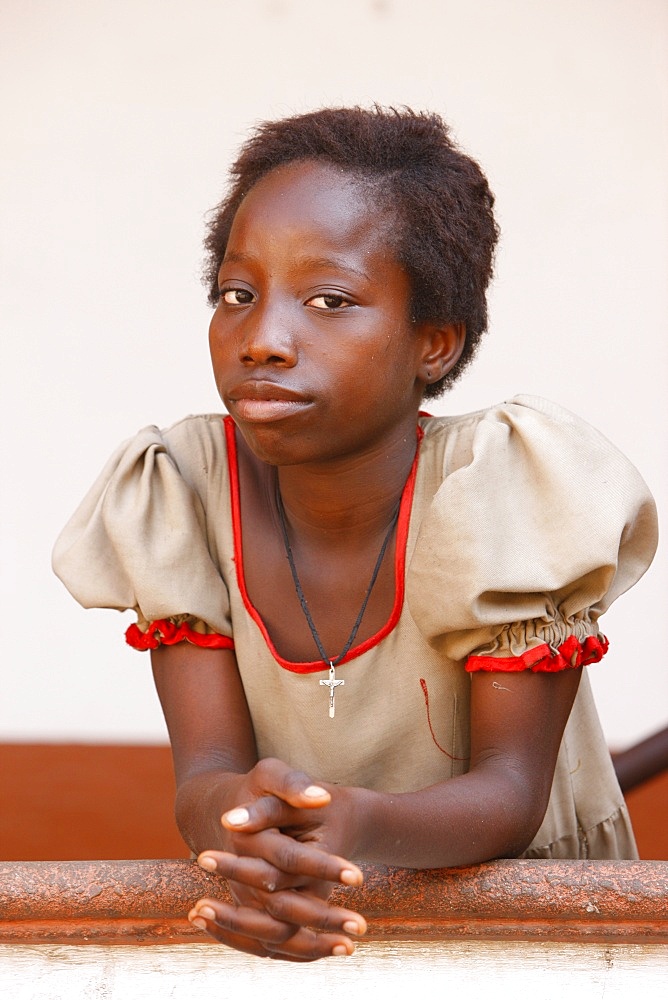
(236, 296)
(329, 302)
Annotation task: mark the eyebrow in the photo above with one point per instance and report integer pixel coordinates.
(309, 263)
(337, 263)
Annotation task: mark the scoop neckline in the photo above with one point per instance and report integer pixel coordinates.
(403, 523)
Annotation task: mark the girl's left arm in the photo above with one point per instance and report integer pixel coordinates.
(495, 809)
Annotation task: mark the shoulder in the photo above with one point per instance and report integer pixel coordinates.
(530, 508)
(195, 445)
(158, 476)
(203, 433)
(141, 531)
(530, 465)
(526, 413)
(525, 434)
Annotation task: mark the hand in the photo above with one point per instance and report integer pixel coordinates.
(281, 871)
(293, 926)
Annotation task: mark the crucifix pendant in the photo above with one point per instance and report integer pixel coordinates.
(331, 683)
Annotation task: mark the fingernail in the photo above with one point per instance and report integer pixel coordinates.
(314, 792)
(340, 949)
(207, 862)
(207, 912)
(349, 877)
(237, 817)
(199, 923)
(351, 927)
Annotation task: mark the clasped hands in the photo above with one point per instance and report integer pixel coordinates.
(281, 867)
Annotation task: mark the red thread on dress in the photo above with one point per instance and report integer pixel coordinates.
(425, 692)
(545, 659)
(162, 632)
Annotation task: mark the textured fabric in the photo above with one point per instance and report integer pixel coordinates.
(525, 524)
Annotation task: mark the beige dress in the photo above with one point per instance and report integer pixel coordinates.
(519, 526)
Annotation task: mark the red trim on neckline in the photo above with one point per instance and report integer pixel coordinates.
(314, 666)
(544, 659)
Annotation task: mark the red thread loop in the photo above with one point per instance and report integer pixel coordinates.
(425, 692)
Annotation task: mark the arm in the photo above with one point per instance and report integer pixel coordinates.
(494, 810)
(279, 842)
(210, 732)
(216, 768)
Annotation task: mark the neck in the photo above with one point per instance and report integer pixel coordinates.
(348, 496)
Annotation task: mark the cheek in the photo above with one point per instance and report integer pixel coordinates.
(217, 340)
(212, 334)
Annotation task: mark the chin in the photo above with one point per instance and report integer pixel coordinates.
(273, 445)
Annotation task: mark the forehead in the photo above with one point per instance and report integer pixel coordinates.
(314, 203)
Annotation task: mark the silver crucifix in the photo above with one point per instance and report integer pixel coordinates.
(332, 683)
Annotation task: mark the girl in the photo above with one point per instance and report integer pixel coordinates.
(367, 625)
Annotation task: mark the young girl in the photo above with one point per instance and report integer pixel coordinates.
(367, 625)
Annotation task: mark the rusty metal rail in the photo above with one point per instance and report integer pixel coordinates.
(146, 902)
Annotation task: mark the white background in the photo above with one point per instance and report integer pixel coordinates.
(119, 119)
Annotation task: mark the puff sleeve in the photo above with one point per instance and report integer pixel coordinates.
(529, 541)
(139, 541)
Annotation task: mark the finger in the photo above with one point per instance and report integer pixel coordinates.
(301, 908)
(248, 895)
(265, 812)
(249, 946)
(259, 933)
(274, 777)
(269, 810)
(288, 856)
(281, 916)
(247, 921)
(253, 872)
(252, 947)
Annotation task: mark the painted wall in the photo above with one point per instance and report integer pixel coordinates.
(118, 121)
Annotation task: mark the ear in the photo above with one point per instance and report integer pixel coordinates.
(442, 349)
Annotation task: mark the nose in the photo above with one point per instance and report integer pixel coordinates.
(267, 337)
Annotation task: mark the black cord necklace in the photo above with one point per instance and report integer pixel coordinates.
(332, 682)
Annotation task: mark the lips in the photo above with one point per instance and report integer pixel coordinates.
(259, 402)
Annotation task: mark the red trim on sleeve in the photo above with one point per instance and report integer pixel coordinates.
(403, 522)
(162, 632)
(571, 653)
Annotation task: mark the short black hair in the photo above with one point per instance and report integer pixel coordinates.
(446, 232)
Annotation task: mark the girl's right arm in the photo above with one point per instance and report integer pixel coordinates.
(216, 769)
(211, 735)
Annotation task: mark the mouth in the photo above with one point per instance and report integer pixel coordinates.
(260, 402)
